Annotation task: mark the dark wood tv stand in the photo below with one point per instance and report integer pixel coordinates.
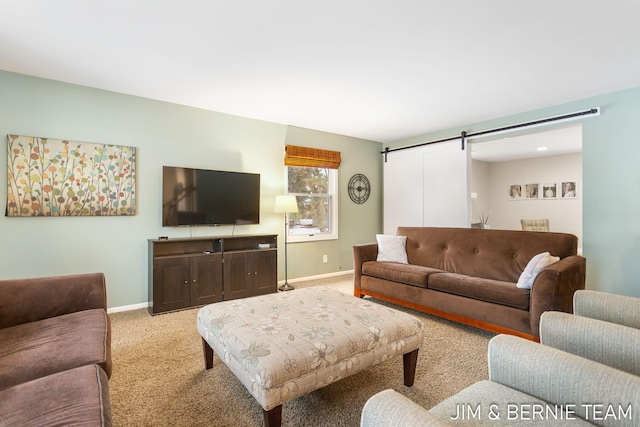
(192, 272)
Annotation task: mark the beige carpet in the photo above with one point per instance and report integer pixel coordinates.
(159, 377)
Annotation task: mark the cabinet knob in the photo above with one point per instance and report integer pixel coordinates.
(186, 282)
(194, 280)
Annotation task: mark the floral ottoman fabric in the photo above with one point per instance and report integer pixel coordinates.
(283, 345)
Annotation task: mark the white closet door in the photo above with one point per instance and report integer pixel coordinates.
(403, 195)
(446, 200)
(426, 187)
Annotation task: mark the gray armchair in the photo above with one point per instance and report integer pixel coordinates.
(612, 308)
(583, 365)
(604, 328)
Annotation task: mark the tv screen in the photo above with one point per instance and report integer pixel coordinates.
(209, 197)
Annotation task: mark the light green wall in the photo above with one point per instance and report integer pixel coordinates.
(164, 134)
(611, 184)
(358, 223)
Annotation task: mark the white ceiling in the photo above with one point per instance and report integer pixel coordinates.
(380, 70)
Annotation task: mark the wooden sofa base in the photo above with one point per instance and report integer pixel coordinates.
(358, 292)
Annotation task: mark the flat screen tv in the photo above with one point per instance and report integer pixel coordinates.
(209, 197)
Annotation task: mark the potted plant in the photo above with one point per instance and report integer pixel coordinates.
(484, 221)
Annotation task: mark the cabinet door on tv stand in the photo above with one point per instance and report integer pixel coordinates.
(171, 287)
(206, 279)
(265, 278)
(238, 275)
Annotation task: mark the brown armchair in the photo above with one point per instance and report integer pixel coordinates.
(55, 357)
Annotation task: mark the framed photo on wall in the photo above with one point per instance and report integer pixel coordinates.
(515, 192)
(569, 190)
(550, 190)
(531, 191)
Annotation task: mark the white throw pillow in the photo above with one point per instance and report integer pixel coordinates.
(392, 248)
(535, 265)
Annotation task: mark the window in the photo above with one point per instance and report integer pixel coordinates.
(316, 192)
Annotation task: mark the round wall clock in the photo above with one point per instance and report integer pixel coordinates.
(359, 188)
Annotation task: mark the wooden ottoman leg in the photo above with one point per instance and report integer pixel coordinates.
(273, 417)
(409, 363)
(208, 354)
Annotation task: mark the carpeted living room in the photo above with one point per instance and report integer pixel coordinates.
(146, 389)
(248, 213)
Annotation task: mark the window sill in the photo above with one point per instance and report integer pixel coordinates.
(311, 238)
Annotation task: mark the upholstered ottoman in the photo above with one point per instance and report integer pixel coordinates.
(283, 345)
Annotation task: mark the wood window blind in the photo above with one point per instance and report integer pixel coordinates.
(311, 157)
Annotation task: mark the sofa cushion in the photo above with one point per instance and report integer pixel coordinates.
(492, 254)
(31, 299)
(495, 291)
(392, 248)
(409, 274)
(77, 397)
(37, 349)
(534, 267)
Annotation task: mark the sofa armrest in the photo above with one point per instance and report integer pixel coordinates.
(29, 300)
(361, 254)
(554, 287)
(620, 309)
(562, 378)
(389, 408)
(603, 342)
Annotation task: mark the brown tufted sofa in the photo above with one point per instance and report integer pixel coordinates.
(469, 275)
(55, 351)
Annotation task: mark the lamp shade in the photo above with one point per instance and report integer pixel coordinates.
(286, 204)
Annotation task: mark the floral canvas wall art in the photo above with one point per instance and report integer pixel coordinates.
(53, 177)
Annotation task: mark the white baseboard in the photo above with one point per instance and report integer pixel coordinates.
(299, 279)
(128, 307)
(320, 276)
